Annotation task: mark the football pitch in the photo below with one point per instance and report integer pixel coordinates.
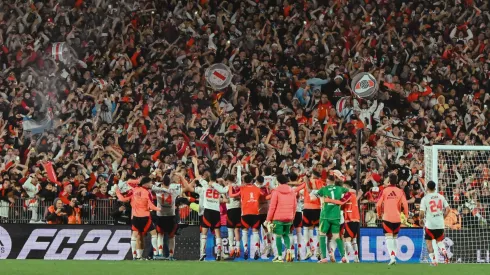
(12, 267)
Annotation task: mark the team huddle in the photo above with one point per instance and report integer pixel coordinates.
(277, 206)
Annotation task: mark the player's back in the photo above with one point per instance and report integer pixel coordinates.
(270, 181)
(233, 202)
(209, 196)
(264, 202)
(309, 202)
(331, 211)
(351, 209)
(250, 195)
(434, 205)
(166, 200)
(140, 202)
(390, 204)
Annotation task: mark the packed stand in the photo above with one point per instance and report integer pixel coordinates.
(127, 96)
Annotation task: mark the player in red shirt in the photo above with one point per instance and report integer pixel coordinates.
(141, 204)
(311, 213)
(250, 195)
(389, 207)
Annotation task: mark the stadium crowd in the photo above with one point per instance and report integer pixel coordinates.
(130, 99)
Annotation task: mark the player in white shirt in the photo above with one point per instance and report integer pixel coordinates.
(433, 209)
(166, 225)
(234, 212)
(209, 201)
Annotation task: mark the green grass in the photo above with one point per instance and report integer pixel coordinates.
(12, 267)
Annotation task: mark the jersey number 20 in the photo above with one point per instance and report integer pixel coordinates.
(435, 206)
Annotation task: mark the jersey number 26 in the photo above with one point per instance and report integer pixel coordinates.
(212, 194)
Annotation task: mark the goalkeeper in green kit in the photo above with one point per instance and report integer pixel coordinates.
(330, 217)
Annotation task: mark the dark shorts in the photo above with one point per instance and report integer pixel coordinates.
(234, 218)
(391, 228)
(298, 220)
(434, 234)
(142, 225)
(167, 225)
(311, 217)
(251, 221)
(211, 219)
(262, 219)
(351, 229)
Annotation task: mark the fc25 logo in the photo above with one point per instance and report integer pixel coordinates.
(97, 244)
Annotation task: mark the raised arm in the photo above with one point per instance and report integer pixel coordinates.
(233, 195)
(121, 197)
(219, 188)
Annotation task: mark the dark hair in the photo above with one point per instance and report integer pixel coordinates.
(145, 180)
(393, 179)
(293, 176)
(260, 179)
(230, 177)
(282, 179)
(349, 183)
(268, 171)
(166, 180)
(248, 178)
(316, 174)
(431, 185)
(213, 176)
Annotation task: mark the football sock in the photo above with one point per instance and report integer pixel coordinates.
(441, 246)
(160, 244)
(279, 245)
(171, 246)
(340, 245)
(312, 243)
(256, 240)
(218, 244)
(432, 257)
(307, 237)
(390, 244)
(350, 249)
(133, 246)
(287, 241)
(323, 245)
(354, 245)
(231, 237)
(299, 237)
(333, 245)
(154, 244)
(245, 239)
(203, 244)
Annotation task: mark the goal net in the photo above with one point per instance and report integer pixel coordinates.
(462, 175)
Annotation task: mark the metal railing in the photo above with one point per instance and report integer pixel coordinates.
(94, 212)
(460, 217)
(369, 217)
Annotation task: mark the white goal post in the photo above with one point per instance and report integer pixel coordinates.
(462, 175)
